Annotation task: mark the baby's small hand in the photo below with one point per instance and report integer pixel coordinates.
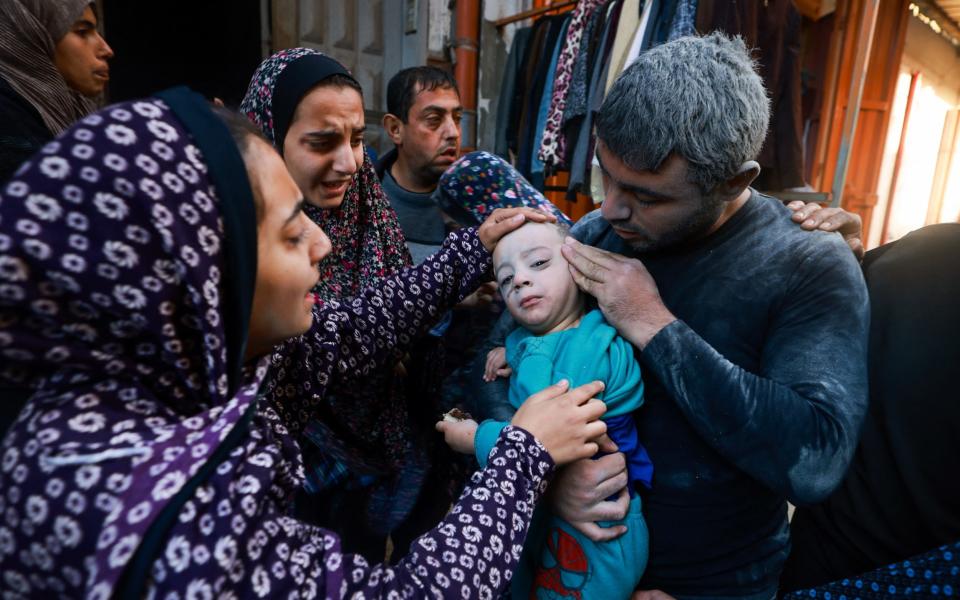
(459, 435)
(497, 364)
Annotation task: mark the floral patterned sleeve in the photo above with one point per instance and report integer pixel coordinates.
(352, 338)
(259, 551)
(472, 553)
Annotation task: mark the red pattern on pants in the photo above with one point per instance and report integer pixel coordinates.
(570, 564)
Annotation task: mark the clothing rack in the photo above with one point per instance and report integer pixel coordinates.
(833, 196)
(533, 12)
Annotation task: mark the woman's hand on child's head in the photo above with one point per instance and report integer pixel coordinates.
(504, 220)
(496, 364)
(565, 422)
(459, 435)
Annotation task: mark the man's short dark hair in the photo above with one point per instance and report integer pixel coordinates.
(403, 88)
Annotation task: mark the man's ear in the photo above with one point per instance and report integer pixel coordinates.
(733, 187)
(394, 128)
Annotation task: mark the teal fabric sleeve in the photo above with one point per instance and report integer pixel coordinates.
(486, 437)
(623, 393)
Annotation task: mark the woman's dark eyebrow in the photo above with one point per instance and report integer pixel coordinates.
(329, 133)
(296, 211)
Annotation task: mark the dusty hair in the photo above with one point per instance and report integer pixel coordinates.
(697, 97)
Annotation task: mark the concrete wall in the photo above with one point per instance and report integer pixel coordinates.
(374, 38)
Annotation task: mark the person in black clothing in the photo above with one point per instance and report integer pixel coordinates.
(52, 63)
(751, 331)
(900, 497)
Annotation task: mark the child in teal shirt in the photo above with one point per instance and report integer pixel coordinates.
(559, 339)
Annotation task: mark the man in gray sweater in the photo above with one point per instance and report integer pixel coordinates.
(423, 121)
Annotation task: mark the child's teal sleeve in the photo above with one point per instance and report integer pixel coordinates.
(533, 374)
(485, 438)
(623, 391)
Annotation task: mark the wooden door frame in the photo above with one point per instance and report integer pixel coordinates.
(866, 148)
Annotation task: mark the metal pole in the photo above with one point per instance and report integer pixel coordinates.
(466, 46)
(868, 22)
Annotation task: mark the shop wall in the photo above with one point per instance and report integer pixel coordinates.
(374, 38)
(927, 188)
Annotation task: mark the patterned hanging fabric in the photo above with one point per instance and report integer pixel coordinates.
(552, 150)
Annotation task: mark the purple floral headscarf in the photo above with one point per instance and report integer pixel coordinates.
(138, 447)
(111, 270)
(366, 236)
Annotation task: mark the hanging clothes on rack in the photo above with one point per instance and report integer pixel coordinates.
(537, 168)
(578, 94)
(558, 73)
(550, 29)
(525, 89)
(772, 27)
(626, 28)
(504, 108)
(684, 20)
(636, 45)
(582, 142)
(626, 49)
(552, 149)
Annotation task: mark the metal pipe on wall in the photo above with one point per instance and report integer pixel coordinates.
(466, 45)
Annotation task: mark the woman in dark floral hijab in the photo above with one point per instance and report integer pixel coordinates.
(151, 460)
(369, 454)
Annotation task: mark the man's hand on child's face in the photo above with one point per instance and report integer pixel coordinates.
(496, 364)
(459, 435)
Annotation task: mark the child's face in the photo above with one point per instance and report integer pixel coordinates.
(535, 279)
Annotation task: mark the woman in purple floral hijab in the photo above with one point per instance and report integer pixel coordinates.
(149, 459)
